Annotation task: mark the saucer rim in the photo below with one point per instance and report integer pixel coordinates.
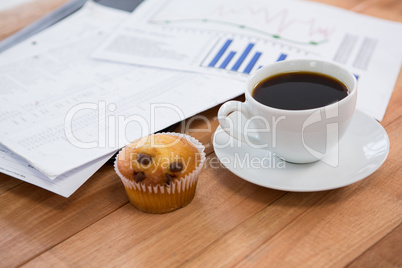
(356, 178)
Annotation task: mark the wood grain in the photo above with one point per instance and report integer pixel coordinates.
(322, 229)
(16, 18)
(7, 183)
(221, 203)
(336, 227)
(385, 253)
(37, 220)
(347, 228)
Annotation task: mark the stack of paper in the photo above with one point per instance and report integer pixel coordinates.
(234, 38)
(64, 113)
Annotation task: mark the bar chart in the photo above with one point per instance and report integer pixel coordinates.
(245, 55)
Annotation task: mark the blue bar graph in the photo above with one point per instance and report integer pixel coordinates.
(240, 55)
(227, 60)
(282, 57)
(236, 66)
(220, 53)
(252, 62)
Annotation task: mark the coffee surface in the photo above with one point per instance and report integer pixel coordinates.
(299, 91)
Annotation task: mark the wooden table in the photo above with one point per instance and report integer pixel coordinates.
(230, 221)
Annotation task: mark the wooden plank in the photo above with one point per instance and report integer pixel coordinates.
(34, 220)
(14, 19)
(7, 183)
(325, 227)
(385, 253)
(342, 225)
(47, 261)
(245, 239)
(321, 238)
(235, 245)
(129, 237)
(225, 220)
(350, 5)
(386, 9)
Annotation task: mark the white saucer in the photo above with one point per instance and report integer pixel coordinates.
(362, 150)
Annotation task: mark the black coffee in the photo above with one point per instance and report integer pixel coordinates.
(299, 91)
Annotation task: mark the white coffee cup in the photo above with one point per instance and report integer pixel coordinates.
(297, 136)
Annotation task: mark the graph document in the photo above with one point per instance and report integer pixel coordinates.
(233, 38)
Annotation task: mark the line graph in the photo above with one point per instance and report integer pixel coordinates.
(285, 21)
(275, 36)
(280, 23)
(234, 38)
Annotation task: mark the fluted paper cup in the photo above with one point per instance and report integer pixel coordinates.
(164, 198)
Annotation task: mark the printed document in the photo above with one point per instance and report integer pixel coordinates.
(60, 109)
(233, 38)
(64, 185)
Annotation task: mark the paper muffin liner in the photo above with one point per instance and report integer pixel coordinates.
(162, 198)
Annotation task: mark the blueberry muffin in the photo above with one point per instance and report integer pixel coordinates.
(160, 171)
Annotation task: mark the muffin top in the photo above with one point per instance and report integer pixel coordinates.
(158, 159)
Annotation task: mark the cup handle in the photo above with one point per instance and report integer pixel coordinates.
(226, 125)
